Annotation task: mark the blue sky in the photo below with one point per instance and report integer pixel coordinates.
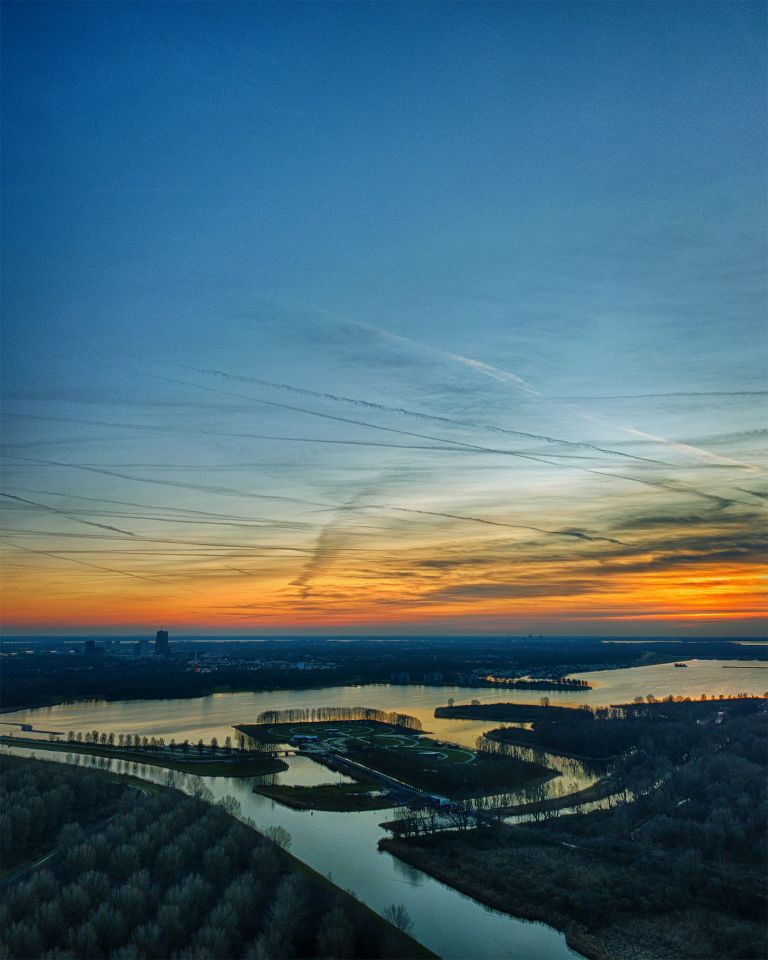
(545, 219)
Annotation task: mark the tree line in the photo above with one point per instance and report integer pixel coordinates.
(332, 714)
(135, 741)
(176, 877)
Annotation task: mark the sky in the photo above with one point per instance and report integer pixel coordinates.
(384, 318)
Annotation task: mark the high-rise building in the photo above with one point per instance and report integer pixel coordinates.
(162, 648)
(89, 649)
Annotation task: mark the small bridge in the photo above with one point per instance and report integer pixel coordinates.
(28, 728)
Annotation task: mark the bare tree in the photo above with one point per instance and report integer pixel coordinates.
(280, 836)
(398, 916)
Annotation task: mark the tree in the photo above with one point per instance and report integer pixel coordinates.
(398, 916)
(336, 936)
(231, 805)
(280, 836)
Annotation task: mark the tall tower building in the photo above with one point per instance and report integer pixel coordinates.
(162, 648)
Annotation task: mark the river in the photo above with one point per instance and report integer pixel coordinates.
(345, 844)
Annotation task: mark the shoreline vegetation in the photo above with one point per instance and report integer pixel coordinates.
(423, 858)
(251, 765)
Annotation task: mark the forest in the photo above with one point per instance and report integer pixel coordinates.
(171, 876)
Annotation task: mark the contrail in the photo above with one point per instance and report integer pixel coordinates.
(652, 396)
(375, 426)
(454, 445)
(686, 448)
(317, 503)
(164, 540)
(577, 534)
(484, 368)
(83, 563)
(403, 411)
(69, 516)
(723, 501)
(224, 491)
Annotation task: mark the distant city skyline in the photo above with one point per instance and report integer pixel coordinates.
(384, 318)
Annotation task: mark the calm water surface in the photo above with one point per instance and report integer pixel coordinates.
(215, 715)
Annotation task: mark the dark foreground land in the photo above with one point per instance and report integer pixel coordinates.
(678, 870)
(162, 876)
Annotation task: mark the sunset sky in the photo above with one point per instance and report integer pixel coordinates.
(388, 318)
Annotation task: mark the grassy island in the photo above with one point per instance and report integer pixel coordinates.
(367, 748)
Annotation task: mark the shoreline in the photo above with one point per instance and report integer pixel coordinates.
(215, 767)
(576, 936)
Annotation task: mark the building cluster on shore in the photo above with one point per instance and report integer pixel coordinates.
(131, 649)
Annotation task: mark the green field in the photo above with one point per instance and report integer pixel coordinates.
(351, 735)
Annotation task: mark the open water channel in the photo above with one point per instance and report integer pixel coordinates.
(344, 845)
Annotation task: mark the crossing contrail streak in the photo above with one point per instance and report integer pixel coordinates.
(448, 421)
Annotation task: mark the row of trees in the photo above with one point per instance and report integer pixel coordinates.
(178, 877)
(333, 714)
(554, 683)
(134, 741)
